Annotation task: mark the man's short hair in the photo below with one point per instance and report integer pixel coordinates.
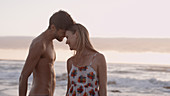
(61, 20)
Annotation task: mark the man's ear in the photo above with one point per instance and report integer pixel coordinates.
(52, 27)
(76, 34)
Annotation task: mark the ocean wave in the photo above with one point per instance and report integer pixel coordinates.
(155, 69)
(140, 85)
(122, 79)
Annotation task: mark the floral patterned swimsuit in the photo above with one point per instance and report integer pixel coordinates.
(83, 80)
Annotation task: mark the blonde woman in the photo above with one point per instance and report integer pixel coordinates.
(87, 70)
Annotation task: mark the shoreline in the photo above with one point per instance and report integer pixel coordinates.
(133, 64)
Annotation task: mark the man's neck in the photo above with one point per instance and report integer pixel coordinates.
(48, 35)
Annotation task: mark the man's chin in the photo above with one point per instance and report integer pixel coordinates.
(72, 49)
(60, 40)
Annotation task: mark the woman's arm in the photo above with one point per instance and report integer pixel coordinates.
(102, 73)
(68, 71)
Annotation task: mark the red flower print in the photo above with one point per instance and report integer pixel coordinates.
(80, 89)
(82, 79)
(92, 93)
(74, 73)
(83, 68)
(85, 94)
(74, 93)
(71, 90)
(89, 84)
(91, 75)
(86, 86)
(96, 89)
(72, 82)
(96, 82)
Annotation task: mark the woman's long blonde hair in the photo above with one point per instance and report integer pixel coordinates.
(83, 40)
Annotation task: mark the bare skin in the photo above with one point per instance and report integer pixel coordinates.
(98, 63)
(40, 62)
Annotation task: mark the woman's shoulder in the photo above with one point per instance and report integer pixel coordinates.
(100, 58)
(70, 60)
(99, 55)
(69, 63)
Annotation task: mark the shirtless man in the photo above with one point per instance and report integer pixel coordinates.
(41, 57)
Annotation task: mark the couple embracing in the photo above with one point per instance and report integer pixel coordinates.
(87, 70)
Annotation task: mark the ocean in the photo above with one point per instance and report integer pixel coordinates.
(123, 79)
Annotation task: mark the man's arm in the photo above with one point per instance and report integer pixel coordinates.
(30, 63)
(102, 73)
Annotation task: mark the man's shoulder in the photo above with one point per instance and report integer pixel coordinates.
(37, 39)
(37, 43)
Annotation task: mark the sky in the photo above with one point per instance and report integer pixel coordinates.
(102, 18)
